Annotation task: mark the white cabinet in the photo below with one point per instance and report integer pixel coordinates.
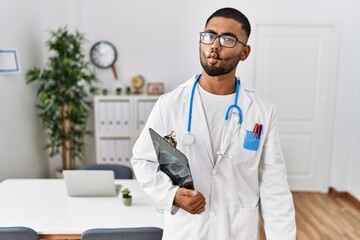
(118, 123)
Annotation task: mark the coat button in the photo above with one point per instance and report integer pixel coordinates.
(213, 172)
(212, 214)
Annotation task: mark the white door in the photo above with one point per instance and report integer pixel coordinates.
(294, 67)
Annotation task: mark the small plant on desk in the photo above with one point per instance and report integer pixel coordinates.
(126, 197)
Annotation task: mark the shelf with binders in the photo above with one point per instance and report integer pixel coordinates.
(113, 115)
(144, 107)
(118, 123)
(115, 151)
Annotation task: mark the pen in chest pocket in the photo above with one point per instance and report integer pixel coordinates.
(257, 130)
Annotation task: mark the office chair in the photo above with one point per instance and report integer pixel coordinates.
(18, 233)
(120, 171)
(141, 233)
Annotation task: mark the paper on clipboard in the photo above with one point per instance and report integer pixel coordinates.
(172, 162)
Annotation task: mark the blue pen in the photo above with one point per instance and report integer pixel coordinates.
(260, 130)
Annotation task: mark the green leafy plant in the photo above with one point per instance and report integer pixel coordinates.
(65, 85)
(126, 193)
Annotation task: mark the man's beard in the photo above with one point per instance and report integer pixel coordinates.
(216, 71)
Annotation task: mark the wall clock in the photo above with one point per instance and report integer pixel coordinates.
(103, 55)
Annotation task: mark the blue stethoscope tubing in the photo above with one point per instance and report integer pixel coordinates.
(188, 138)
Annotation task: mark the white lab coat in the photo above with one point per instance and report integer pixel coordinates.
(234, 188)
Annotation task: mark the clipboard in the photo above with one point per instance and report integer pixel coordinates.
(172, 162)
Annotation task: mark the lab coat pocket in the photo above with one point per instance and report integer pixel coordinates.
(242, 155)
(245, 224)
(251, 142)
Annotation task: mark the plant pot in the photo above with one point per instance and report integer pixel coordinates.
(127, 201)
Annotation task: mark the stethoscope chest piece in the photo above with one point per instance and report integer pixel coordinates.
(188, 139)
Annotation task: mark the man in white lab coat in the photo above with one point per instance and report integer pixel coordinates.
(237, 170)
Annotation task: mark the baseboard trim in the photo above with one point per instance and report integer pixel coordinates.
(334, 193)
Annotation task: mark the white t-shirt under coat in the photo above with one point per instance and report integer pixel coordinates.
(215, 107)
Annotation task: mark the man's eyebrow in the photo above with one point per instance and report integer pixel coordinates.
(230, 34)
(225, 33)
(210, 31)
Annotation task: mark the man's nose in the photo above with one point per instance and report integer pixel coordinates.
(216, 44)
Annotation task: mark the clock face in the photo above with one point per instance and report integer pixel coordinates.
(103, 54)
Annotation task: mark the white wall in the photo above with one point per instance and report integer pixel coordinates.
(158, 39)
(345, 153)
(21, 138)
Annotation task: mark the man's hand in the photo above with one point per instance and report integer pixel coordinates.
(190, 200)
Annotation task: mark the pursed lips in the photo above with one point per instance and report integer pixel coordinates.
(213, 57)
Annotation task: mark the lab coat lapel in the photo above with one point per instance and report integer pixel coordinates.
(231, 127)
(244, 102)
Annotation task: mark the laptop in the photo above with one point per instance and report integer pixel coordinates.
(90, 183)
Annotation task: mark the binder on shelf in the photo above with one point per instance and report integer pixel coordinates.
(110, 115)
(118, 116)
(102, 116)
(103, 151)
(140, 113)
(127, 150)
(111, 150)
(126, 115)
(119, 150)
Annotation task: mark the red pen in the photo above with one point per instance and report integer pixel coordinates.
(255, 131)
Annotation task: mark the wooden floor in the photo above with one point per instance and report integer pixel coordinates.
(320, 216)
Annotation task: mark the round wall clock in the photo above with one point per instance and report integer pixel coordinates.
(103, 55)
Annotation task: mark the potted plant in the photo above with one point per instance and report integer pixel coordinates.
(65, 86)
(126, 197)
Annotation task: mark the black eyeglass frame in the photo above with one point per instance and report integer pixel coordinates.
(219, 36)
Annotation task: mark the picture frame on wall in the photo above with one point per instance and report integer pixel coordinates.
(156, 88)
(9, 61)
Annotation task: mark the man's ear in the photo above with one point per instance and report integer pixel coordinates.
(245, 53)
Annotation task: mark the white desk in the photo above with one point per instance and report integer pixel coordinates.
(43, 204)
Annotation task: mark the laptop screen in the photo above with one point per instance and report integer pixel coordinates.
(90, 183)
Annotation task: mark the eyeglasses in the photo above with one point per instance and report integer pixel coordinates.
(225, 40)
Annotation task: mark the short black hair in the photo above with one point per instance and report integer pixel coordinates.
(233, 14)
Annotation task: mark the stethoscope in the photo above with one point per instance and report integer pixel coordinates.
(188, 139)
